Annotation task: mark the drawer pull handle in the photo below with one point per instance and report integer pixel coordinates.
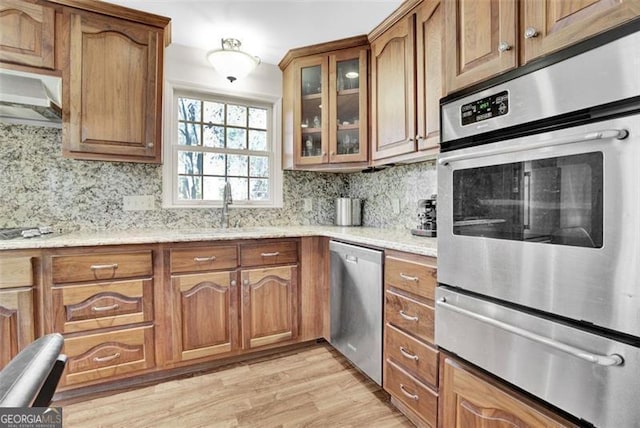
(408, 354)
(113, 266)
(106, 359)
(274, 254)
(408, 317)
(408, 278)
(204, 259)
(105, 308)
(408, 394)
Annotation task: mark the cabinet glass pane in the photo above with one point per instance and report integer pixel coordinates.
(311, 113)
(348, 106)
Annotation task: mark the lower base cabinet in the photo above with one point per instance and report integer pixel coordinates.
(104, 356)
(269, 305)
(469, 399)
(16, 322)
(205, 314)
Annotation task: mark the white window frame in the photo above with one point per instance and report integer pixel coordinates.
(173, 91)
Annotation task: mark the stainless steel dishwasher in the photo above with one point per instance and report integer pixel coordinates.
(356, 306)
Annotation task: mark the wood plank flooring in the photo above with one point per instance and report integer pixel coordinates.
(311, 387)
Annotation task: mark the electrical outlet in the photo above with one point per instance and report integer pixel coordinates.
(308, 204)
(395, 205)
(138, 203)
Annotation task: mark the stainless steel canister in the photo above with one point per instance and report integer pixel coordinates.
(348, 211)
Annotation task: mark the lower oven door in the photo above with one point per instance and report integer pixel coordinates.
(548, 221)
(589, 376)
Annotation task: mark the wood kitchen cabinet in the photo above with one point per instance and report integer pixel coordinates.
(410, 355)
(406, 84)
(28, 33)
(484, 39)
(204, 314)
(102, 301)
(470, 399)
(16, 306)
(112, 92)
(269, 305)
(325, 105)
(480, 40)
(393, 91)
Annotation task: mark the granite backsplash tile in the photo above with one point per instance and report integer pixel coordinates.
(38, 186)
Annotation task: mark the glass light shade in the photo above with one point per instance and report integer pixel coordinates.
(231, 62)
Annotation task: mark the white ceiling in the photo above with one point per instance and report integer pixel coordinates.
(266, 28)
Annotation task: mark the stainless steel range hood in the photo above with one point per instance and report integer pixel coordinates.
(29, 98)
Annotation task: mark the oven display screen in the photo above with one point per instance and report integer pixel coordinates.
(485, 108)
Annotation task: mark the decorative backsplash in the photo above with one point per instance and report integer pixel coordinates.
(38, 187)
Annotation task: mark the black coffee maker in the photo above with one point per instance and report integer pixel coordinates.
(426, 217)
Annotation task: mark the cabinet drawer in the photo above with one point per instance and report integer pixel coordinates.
(416, 278)
(269, 253)
(92, 306)
(103, 266)
(413, 393)
(203, 259)
(414, 356)
(106, 355)
(409, 315)
(16, 272)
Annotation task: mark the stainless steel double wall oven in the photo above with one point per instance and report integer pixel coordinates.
(539, 229)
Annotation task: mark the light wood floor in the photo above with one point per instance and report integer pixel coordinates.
(311, 387)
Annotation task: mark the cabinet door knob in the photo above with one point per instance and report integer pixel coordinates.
(418, 137)
(233, 283)
(333, 153)
(530, 33)
(504, 46)
(150, 144)
(246, 282)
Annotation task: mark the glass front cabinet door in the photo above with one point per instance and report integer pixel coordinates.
(330, 117)
(348, 107)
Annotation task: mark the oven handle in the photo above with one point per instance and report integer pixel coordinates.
(601, 360)
(605, 134)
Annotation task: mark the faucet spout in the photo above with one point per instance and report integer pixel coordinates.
(226, 201)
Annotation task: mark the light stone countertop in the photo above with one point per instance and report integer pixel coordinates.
(394, 239)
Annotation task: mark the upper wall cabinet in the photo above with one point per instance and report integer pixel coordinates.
(28, 33)
(325, 106)
(406, 83)
(549, 26)
(480, 40)
(484, 39)
(393, 91)
(112, 100)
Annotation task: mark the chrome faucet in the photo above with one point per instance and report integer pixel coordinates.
(226, 200)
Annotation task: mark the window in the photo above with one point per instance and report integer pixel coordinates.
(218, 139)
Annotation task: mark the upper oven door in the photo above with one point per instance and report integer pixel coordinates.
(549, 221)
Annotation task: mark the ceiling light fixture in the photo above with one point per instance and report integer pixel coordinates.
(231, 62)
(352, 75)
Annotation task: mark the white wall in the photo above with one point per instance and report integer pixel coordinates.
(189, 66)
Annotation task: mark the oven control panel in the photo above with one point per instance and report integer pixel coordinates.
(485, 108)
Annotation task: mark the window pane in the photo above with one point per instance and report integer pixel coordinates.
(189, 134)
(257, 118)
(236, 138)
(190, 163)
(236, 115)
(213, 188)
(237, 165)
(259, 189)
(189, 188)
(213, 112)
(259, 166)
(239, 190)
(214, 164)
(214, 136)
(258, 140)
(189, 109)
